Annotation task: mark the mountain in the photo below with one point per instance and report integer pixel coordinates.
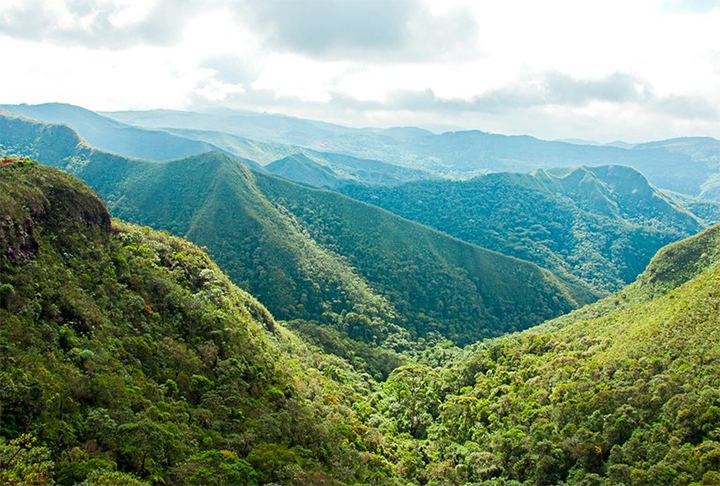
(624, 391)
(319, 169)
(259, 126)
(311, 254)
(127, 357)
(685, 166)
(301, 168)
(169, 144)
(112, 136)
(700, 150)
(598, 226)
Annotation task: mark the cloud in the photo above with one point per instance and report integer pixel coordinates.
(542, 89)
(350, 29)
(96, 23)
(230, 68)
(690, 6)
(688, 107)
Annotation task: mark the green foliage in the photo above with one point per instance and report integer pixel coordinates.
(315, 255)
(23, 463)
(217, 468)
(627, 396)
(130, 357)
(595, 227)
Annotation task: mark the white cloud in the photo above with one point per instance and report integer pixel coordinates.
(558, 69)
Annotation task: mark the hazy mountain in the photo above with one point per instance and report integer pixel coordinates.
(314, 254)
(259, 126)
(597, 225)
(300, 168)
(460, 154)
(112, 136)
(332, 170)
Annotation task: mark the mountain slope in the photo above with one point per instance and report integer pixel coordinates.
(317, 255)
(624, 391)
(338, 269)
(300, 168)
(597, 225)
(126, 351)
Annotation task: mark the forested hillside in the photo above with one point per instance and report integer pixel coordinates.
(314, 255)
(624, 391)
(595, 225)
(127, 357)
(125, 352)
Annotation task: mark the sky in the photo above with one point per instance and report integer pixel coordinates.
(600, 71)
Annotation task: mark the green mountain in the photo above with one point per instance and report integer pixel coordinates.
(127, 356)
(595, 225)
(687, 165)
(317, 168)
(316, 255)
(624, 391)
(333, 170)
(301, 168)
(125, 353)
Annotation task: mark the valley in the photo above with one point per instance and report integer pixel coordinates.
(244, 298)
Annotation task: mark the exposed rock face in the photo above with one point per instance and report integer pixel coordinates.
(16, 240)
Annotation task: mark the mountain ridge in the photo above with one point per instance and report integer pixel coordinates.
(598, 225)
(285, 256)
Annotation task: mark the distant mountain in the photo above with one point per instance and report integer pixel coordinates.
(169, 144)
(300, 168)
(699, 150)
(112, 136)
(461, 154)
(597, 225)
(314, 254)
(259, 126)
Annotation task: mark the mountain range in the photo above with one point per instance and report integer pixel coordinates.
(685, 165)
(595, 225)
(127, 357)
(312, 254)
(388, 306)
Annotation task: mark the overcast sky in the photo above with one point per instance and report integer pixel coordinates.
(597, 70)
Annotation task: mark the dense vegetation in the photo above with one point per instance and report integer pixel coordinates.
(127, 357)
(314, 255)
(624, 391)
(599, 226)
(126, 352)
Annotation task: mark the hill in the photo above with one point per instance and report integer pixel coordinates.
(595, 225)
(623, 391)
(125, 353)
(319, 169)
(316, 255)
